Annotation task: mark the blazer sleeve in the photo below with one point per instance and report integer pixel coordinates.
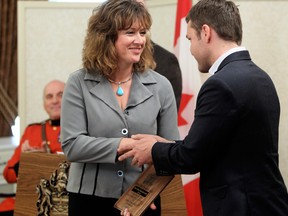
(76, 142)
(214, 119)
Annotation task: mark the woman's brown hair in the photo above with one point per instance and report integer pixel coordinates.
(107, 20)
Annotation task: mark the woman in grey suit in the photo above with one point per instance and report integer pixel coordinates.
(115, 95)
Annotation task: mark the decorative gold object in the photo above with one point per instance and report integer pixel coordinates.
(52, 194)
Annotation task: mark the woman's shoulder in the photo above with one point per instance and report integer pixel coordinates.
(151, 77)
(159, 78)
(83, 74)
(79, 73)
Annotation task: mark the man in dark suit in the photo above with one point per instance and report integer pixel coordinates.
(233, 141)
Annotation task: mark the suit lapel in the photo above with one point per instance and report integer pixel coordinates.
(139, 92)
(101, 88)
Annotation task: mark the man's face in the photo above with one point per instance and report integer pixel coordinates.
(52, 99)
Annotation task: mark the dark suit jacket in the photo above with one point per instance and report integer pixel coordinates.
(233, 143)
(168, 66)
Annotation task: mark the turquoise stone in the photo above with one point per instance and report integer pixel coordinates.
(120, 91)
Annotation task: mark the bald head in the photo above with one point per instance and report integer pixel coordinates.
(52, 98)
(141, 1)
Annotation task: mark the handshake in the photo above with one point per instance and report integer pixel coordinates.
(139, 147)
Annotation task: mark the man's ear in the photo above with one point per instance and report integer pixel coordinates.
(206, 33)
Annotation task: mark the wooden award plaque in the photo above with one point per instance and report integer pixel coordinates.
(142, 193)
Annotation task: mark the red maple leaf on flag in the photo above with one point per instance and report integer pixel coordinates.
(191, 85)
(185, 98)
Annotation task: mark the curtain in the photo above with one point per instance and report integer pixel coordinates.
(8, 66)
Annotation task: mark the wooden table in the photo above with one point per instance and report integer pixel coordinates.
(36, 165)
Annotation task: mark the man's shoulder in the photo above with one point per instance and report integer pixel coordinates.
(165, 60)
(36, 124)
(161, 50)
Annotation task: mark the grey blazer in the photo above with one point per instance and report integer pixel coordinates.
(92, 125)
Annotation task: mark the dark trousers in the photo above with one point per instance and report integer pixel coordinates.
(81, 204)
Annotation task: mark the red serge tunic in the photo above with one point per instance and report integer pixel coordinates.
(35, 135)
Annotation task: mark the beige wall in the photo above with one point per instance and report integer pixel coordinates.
(265, 35)
(51, 36)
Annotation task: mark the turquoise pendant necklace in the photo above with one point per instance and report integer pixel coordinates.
(120, 91)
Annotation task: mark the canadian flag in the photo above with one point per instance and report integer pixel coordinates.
(191, 85)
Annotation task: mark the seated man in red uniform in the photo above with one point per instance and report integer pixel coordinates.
(43, 136)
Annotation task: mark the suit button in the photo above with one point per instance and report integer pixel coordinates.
(120, 173)
(124, 131)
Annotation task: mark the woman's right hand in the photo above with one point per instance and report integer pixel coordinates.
(125, 212)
